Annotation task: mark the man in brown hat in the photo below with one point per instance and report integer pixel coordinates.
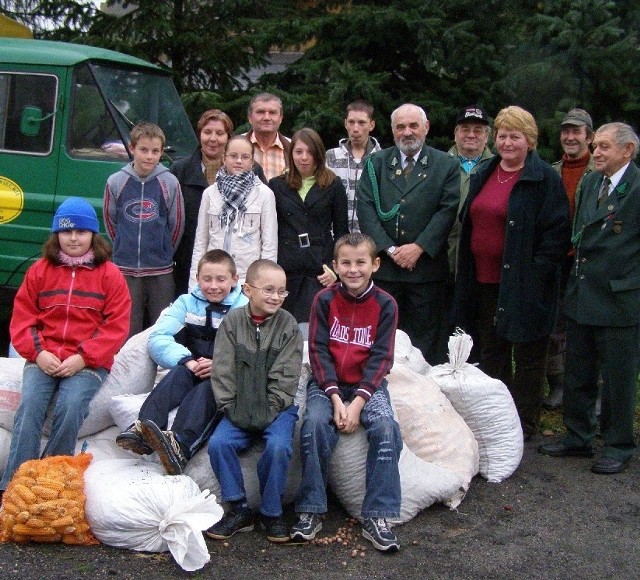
(576, 137)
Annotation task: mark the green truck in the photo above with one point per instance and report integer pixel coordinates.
(65, 115)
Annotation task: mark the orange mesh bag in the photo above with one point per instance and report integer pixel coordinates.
(44, 502)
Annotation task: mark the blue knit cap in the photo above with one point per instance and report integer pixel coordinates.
(75, 213)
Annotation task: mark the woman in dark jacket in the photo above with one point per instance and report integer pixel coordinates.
(195, 174)
(312, 213)
(515, 232)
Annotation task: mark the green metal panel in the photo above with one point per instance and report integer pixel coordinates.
(53, 53)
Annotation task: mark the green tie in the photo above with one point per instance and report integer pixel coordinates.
(408, 168)
(604, 191)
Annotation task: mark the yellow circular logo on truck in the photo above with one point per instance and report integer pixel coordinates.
(11, 200)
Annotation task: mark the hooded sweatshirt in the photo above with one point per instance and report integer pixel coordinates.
(144, 217)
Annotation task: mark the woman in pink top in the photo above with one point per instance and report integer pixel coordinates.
(515, 231)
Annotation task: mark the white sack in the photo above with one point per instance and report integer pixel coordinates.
(429, 424)
(422, 484)
(10, 389)
(487, 407)
(407, 354)
(5, 442)
(136, 506)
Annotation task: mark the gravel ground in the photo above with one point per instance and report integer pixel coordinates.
(552, 519)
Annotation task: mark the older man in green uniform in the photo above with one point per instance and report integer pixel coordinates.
(407, 201)
(602, 304)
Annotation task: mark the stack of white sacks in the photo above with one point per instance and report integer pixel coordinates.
(455, 422)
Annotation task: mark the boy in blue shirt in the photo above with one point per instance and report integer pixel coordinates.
(182, 340)
(144, 217)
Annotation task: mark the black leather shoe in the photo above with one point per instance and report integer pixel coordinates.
(608, 465)
(560, 449)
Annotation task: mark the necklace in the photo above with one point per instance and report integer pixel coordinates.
(513, 174)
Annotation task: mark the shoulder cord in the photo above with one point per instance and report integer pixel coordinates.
(384, 216)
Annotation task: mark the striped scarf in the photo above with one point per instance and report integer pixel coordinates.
(234, 190)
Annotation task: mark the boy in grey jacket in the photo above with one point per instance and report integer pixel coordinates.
(257, 357)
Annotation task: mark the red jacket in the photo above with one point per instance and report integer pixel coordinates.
(71, 310)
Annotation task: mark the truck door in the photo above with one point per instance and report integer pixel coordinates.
(28, 166)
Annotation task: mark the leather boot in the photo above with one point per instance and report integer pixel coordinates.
(556, 386)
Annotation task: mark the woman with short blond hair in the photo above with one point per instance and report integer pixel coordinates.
(515, 232)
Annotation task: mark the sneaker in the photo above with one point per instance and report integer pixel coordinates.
(165, 444)
(380, 535)
(132, 440)
(307, 527)
(231, 522)
(276, 529)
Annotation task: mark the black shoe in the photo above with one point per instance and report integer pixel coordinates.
(232, 522)
(608, 465)
(380, 535)
(560, 449)
(307, 527)
(165, 444)
(276, 529)
(132, 440)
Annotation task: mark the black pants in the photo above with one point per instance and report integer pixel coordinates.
(521, 365)
(196, 415)
(420, 314)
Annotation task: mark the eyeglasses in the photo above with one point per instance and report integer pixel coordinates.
(236, 156)
(269, 291)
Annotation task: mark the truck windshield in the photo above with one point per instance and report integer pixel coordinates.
(109, 100)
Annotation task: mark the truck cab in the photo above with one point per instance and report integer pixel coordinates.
(65, 115)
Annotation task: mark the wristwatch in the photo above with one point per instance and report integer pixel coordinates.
(391, 250)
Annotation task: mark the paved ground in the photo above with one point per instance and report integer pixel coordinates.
(552, 519)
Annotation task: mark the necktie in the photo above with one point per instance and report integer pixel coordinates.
(604, 191)
(408, 168)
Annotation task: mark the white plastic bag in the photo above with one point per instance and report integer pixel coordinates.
(132, 504)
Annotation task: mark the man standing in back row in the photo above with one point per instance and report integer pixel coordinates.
(269, 145)
(602, 304)
(407, 201)
(576, 136)
(348, 159)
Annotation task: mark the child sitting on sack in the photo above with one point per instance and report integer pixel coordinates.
(182, 340)
(351, 339)
(257, 356)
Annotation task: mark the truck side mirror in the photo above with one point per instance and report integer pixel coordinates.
(30, 121)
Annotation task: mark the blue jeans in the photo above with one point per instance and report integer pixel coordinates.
(319, 436)
(228, 440)
(196, 414)
(38, 388)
